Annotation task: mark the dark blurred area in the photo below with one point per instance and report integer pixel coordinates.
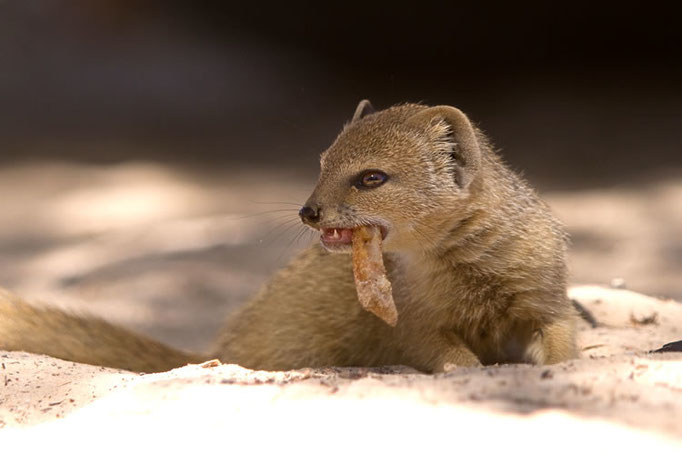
(575, 95)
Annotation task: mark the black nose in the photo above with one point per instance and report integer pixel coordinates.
(309, 214)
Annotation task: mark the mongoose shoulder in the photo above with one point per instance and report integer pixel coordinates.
(476, 260)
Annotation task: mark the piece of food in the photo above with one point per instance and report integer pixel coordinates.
(374, 289)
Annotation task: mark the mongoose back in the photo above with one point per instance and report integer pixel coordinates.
(475, 258)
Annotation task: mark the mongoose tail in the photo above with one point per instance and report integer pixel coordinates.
(90, 340)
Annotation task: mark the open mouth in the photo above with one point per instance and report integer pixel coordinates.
(336, 237)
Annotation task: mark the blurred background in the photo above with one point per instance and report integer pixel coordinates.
(152, 154)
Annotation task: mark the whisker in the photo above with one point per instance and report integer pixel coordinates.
(276, 202)
(281, 233)
(279, 225)
(291, 243)
(262, 214)
(302, 234)
(282, 216)
(311, 235)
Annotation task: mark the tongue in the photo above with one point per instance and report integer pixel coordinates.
(337, 236)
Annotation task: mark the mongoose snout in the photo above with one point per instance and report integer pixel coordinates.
(310, 215)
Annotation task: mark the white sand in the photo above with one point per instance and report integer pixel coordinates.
(615, 398)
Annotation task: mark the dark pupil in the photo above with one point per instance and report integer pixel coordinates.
(373, 178)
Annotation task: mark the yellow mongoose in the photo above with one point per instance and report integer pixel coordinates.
(476, 261)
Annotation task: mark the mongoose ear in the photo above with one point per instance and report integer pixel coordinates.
(466, 152)
(364, 108)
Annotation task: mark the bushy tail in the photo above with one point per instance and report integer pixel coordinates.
(49, 331)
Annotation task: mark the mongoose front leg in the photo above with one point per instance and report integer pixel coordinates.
(559, 341)
(452, 352)
(553, 343)
(435, 351)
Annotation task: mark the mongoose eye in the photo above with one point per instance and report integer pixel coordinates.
(371, 179)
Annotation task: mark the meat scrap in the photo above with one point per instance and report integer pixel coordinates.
(374, 289)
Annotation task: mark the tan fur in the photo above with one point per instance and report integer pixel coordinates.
(476, 261)
(44, 330)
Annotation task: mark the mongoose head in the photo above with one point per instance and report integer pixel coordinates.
(408, 169)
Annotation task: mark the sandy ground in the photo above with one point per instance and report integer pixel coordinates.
(170, 253)
(615, 397)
